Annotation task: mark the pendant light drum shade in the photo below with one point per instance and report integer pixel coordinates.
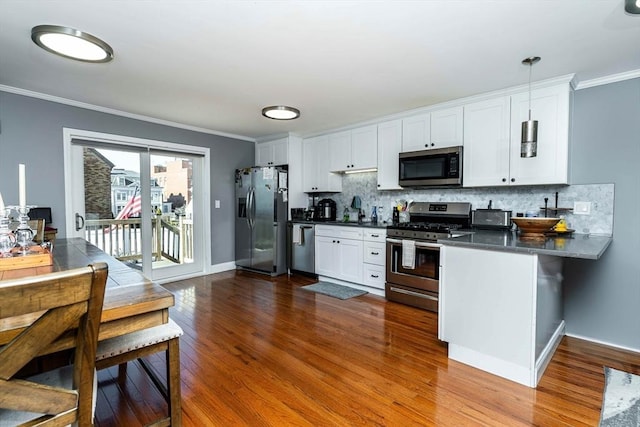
(529, 139)
(71, 43)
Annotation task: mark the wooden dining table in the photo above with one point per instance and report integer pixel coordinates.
(131, 302)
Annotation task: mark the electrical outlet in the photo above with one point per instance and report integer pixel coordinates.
(582, 208)
(217, 204)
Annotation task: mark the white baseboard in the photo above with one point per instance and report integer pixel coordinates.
(493, 365)
(608, 344)
(548, 351)
(219, 268)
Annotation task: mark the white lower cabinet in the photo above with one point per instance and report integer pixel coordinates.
(501, 311)
(339, 252)
(351, 254)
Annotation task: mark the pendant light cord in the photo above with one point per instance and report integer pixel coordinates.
(530, 66)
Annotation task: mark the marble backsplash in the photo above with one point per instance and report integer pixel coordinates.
(516, 199)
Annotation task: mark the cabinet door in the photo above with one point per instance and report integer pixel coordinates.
(416, 133)
(340, 151)
(326, 181)
(389, 146)
(280, 151)
(272, 153)
(447, 127)
(350, 262)
(325, 257)
(264, 154)
(485, 156)
(550, 107)
(364, 147)
(310, 165)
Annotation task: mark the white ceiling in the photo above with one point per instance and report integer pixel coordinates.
(215, 64)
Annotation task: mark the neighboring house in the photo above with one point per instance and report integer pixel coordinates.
(175, 178)
(97, 189)
(125, 184)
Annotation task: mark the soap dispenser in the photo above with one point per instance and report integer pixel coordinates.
(345, 215)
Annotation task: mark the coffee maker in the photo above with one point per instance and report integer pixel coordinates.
(325, 210)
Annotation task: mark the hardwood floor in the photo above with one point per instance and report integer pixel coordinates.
(263, 352)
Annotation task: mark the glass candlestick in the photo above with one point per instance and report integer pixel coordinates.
(7, 239)
(24, 234)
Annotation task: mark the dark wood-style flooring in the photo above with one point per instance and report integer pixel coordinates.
(263, 352)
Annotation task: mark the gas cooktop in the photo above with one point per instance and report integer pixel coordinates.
(432, 221)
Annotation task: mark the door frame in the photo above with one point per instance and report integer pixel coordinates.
(71, 175)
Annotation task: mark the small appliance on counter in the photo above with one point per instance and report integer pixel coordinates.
(491, 219)
(297, 213)
(325, 210)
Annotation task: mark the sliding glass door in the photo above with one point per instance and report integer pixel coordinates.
(141, 204)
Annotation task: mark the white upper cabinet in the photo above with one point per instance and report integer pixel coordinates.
(389, 146)
(485, 157)
(315, 160)
(416, 133)
(272, 153)
(437, 129)
(340, 151)
(550, 107)
(447, 127)
(492, 133)
(354, 149)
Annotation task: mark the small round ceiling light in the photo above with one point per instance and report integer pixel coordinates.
(632, 6)
(71, 43)
(281, 112)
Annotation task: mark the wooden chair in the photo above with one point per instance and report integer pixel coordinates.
(134, 346)
(42, 309)
(37, 225)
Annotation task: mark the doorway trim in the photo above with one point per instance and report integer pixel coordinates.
(69, 134)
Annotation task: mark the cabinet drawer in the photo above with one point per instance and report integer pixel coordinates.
(374, 276)
(375, 235)
(374, 253)
(341, 232)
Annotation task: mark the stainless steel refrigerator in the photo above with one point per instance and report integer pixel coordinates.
(261, 219)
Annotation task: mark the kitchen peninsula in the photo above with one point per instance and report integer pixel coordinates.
(501, 306)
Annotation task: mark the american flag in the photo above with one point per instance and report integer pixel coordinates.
(133, 206)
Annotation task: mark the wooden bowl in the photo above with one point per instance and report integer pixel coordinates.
(534, 228)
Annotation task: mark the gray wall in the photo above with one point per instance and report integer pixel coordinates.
(602, 298)
(31, 133)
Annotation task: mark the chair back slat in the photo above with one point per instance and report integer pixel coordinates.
(57, 291)
(62, 304)
(33, 340)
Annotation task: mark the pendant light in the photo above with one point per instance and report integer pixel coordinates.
(529, 141)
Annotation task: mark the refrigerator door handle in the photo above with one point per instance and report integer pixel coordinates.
(251, 207)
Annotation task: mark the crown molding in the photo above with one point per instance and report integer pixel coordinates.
(614, 78)
(106, 110)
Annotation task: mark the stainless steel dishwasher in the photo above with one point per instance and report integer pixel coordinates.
(301, 248)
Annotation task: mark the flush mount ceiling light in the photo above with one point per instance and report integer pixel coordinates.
(281, 112)
(71, 43)
(529, 141)
(632, 6)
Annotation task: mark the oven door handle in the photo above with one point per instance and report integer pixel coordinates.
(411, 293)
(418, 244)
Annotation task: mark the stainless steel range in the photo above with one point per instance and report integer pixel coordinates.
(413, 254)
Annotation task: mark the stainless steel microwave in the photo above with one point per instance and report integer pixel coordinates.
(440, 167)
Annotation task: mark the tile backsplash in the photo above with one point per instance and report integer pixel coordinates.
(516, 199)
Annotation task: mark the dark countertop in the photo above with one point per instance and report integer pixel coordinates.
(345, 224)
(584, 246)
